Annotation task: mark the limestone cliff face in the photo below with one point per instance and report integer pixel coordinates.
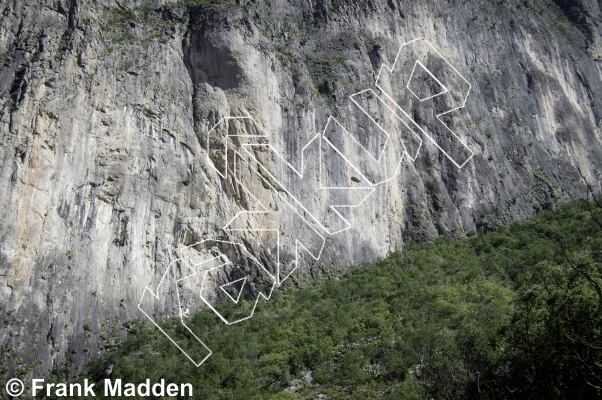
(107, 167)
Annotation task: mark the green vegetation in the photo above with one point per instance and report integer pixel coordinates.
(123, 236)
(10, 104)
(510, 313)
(6, 60)
(186, 181)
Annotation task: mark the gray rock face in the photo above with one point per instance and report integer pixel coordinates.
(109, 169)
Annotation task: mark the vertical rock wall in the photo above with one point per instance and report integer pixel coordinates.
(106, 108)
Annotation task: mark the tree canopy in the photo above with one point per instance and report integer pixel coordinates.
(514, 312)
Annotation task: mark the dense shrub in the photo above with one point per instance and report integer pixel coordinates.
(510, 313)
